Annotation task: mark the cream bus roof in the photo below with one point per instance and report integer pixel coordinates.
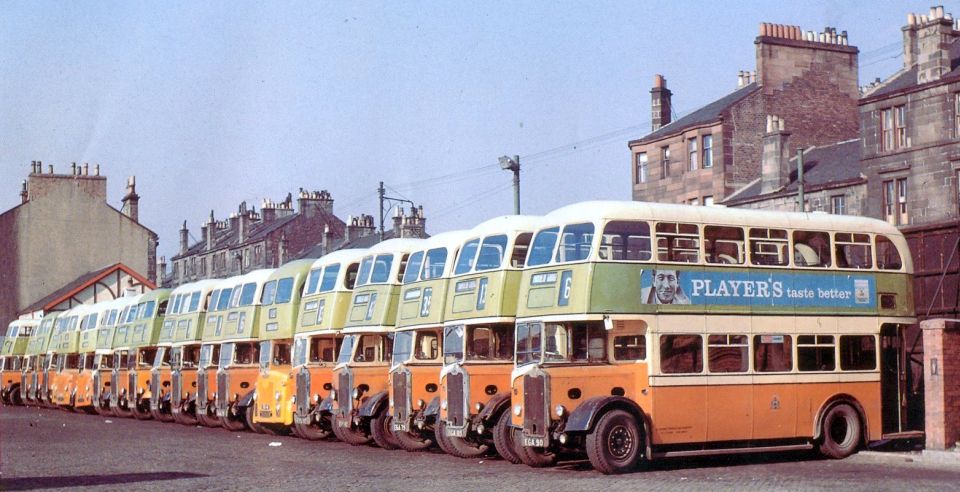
(621, 210)
(292, 268)
(506, 224)
(204, 286)
(258, 277)
(20, 324)
(343, 257)
(399, 245)
(158, 294)
(451, 240)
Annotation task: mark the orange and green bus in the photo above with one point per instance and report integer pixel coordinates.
(12, 359)
(274, 387)
(137, 340)
(240, 352)
(204, 398)
(358, 398)
(317, 338)
(96, 343)
(104, 383)
(88, 363)
(480, 311)
(36, 362)
(178, 346)
(66, 346)
(647, 331)
(413, 388)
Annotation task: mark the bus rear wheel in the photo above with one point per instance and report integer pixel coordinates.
(458, 446)
(503, 439)
(841, 432)
(615, 443)
(380, 430)
(534, 457)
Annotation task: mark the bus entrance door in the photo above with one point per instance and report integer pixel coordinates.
(893, 378)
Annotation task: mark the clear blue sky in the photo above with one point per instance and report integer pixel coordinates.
(210, 104)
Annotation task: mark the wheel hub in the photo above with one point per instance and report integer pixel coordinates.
(620, 442)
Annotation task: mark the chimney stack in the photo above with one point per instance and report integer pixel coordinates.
(24, 196)
(660, 107)
(926, 44)
(131, 201)
(211, 229)
(775, 164)
(358, 227)
(184, 238)
(243, 222)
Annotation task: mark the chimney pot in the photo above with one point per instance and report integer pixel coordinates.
(86, 169)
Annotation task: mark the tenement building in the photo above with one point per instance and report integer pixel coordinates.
(65, 244)
(708, 154)
(249, 240)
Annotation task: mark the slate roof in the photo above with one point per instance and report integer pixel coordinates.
(80, 283)
(907, 78)
(706, 114)
(832, 164)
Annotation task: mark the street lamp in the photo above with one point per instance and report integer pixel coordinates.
(508, 163)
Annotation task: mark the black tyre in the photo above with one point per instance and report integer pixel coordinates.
(413, 440)
(315, 431)
(141, 410)
(459, 446)
(235, 421)
(248, 413)
(842, 432)
(14, 397)
(380, 431)
(351, 435)
(103, 409)
(616, 443)
(503, 439)
(208, 420)
(535, 457)
(122, 412)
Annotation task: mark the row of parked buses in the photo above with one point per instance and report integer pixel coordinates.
(625, 331)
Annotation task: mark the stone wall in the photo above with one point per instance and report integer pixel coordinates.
(941, 368)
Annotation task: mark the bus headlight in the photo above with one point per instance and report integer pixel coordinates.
(356, 393)
(316, 397)
(333, 394)
(254, 396)
(420, 403)
(478, 406)
(560, 411)
(443, 404)
(276, 396)
(517, 409)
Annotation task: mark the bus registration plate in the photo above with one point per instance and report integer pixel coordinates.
(400, 427)
(535, 442)
(343, 423)
(453, 432)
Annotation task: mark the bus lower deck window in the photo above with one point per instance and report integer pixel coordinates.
(772, 353)
(681, 354)
(858, 353)
(816, 353)
(630, 347)
(728, 353)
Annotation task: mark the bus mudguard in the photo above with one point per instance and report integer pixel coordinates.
(246, 400)
(433, 408)
(492, 409)
(371, 405)
(586, 414)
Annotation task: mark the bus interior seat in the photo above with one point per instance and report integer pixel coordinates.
(804, 255)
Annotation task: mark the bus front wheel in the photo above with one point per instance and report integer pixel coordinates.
(615, 443)
(534, 457)
(380, 430)
(841, 432)
(313, 432)
(458, 446)
(503, 439)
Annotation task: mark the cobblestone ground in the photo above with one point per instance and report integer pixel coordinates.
(55, 449)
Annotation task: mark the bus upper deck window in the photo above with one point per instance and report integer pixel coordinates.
(433, 263)
(811, 249)
(724, 245)
(853, 250)
(330, 273)
(769, 247)
(381, 269)
(678, 242)
(625, 240)
(467, 257)
(542, 248)
(575, 242)
(888, 258)
(491, 252)
(412, 273)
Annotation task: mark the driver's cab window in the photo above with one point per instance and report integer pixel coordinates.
(427, 346)
(371, 349)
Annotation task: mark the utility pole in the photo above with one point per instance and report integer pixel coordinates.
(513, 164)
(803, 204)
(381, 192)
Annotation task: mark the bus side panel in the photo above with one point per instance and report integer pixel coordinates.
(774, 408)
(813, 397)
(679, 413)
(729, 411)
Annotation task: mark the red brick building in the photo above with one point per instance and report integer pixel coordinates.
(808, 80)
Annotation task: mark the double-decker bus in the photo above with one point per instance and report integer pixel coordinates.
(204, 398)
(182, 326)
(359, 392)
(36, 361)
(648, 330)
(478, 344)
(324, 306)
(240, 352)
(417, 346)
(87, 365)
(12, 359)
(66, 345)
(181, 334)
(135, 343)
(274, 388)
(94, 380)
(105, 382)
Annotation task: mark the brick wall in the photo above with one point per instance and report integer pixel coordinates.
(941, 366)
